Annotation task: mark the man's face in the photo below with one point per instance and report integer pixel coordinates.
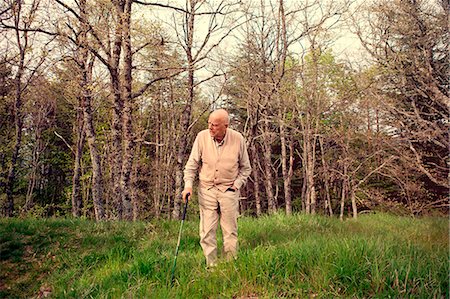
(217, 126)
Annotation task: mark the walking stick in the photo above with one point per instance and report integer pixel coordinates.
(179, 239)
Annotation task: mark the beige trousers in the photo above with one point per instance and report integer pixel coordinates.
(214, 205)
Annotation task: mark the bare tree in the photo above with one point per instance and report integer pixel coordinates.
(313, 98)
(85, 63)
(408, 41)
(198, 47)
(20, 20)
(40, 114)
(286, 141)
(114, 50)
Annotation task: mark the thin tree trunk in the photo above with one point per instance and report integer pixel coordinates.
(304, 185)
(97, 177)
(77, 197)
(353, 199)
(256, 178)
(86, 100)
(306, 182)
(127, 125)
(116, 169)
(134, 181)
(290, 169)
(310, 127)
(311, 189)
(326, 180)
(282, 34)
(309, 160)
(186, 114)
(37, 149)
(344, 192)
(113, 66)
(22, 43)
(159, 159)
(286, 169)
(171, 164)
(252, 129)
(267, 158)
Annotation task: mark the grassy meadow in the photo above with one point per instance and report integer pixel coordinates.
(302, 256)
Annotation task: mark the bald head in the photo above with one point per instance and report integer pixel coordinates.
(220, 115)
(218, 123)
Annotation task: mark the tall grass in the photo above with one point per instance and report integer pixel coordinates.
(376, 256)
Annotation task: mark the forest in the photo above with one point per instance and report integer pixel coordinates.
(100, 102)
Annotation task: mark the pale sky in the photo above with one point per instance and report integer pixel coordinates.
(347, 45)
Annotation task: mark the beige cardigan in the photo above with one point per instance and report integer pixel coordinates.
(222, 169)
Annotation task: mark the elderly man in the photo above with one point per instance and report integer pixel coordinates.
(220, 154)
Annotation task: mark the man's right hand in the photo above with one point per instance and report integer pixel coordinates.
(185, 192)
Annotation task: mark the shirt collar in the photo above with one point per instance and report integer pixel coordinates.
(223, 140)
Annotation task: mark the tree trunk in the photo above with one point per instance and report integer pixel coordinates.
(256, 178)
(290, 169)
(252, 131)
(127, 125)
(22, 44)
(116, 167)
(134, 182)
(97, 177)
(344, 192)
(9, 208)
(281, 47)
(284, 169)
(159, 158)
(171, 164)
(77, 198)
(309, 160)
(89, 128)
(37, 149)
(326, 179)
(186, 114)
(113, 66)
(304, 197)
(354, 207)
(307, 180)
(287, 170)
(267, 159)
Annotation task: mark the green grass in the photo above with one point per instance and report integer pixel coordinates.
(376, 256)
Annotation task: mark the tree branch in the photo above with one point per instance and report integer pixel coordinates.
(149, 83)
(160, 5)
(62, 138)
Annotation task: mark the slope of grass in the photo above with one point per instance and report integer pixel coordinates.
(376, 256)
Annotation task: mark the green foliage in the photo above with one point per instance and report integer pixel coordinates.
(376, 256)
